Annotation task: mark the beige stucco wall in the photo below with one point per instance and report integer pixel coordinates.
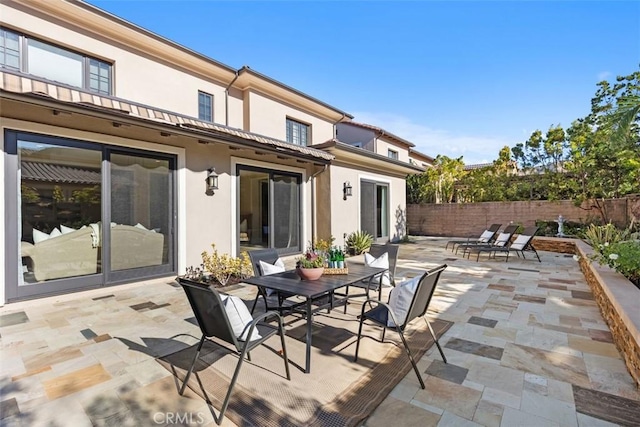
(201, 219)
(137, 76)
(268, 117)
(345, 214)
(383, 146)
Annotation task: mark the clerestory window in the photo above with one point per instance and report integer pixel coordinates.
(25, 54)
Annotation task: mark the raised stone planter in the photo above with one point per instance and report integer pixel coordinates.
(617, 297)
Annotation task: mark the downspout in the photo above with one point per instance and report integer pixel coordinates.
(226, 97)
(313, 203)
(335, 129)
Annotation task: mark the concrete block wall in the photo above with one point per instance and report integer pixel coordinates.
(470, 219)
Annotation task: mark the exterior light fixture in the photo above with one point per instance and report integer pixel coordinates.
(212, 180)
(347, 190)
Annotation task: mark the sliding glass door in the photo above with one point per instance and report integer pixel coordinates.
(374, 209)
(60, 195)
(269, 212)
(141, 194)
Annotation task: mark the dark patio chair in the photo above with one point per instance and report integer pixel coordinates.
(381, 312)
(486, 236)
(522, 244)
(502, 239)
(212, 318)
(374, 283)
(276, 300)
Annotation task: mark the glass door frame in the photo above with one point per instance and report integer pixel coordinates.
(383, 238)
(113, 277)
(13, 290)
(271, 238)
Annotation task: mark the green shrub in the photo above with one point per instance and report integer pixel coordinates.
(358, 242)
(550, 228)
(624, 257)
(600, 235)
(225, 267)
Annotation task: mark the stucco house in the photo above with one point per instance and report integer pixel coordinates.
(125, 155)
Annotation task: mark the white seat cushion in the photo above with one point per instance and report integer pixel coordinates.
(55, 233)
(503, 239)
(267, 269)
(39, 236)
(65, 230)
(381, 262)
(400, 299)
(520, 241)
(486, 236)
(239, 317)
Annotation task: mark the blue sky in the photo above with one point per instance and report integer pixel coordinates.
(455, 78)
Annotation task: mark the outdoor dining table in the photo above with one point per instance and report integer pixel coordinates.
(314, 290)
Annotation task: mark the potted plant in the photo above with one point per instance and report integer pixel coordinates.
(310, 265)
(219, 270)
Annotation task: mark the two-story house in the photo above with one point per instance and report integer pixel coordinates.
(125, 155)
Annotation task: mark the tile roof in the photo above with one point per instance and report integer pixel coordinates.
(19, 83)
(48, 172)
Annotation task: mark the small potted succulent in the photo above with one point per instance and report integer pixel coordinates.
(310, 265)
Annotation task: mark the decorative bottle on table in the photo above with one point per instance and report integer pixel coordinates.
(340, 258)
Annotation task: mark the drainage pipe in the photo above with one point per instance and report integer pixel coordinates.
(226, 97)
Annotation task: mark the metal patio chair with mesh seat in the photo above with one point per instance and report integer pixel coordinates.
(381, 312)
(522, 244)
(486, 236)
(375, 283)
(502, 239)
(273, 300)
(214, 322)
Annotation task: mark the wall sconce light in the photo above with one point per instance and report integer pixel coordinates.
(347, 190)
(212, 180)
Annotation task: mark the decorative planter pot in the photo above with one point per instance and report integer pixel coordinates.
(310, 273)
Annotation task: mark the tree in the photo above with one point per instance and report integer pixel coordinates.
(436, 184)
(605, 152)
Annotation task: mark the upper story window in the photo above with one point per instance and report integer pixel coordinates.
(297, 133)
(392, 154)
(25, 54)
(205, 106)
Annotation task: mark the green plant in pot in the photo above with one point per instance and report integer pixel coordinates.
(310, 265)
(359, 242)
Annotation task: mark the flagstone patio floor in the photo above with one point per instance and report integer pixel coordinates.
(528, 348)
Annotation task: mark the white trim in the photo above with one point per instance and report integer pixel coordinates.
(235, 161)
(180, 173)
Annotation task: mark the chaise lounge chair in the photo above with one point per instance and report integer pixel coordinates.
(503, 239)
(486, 237)
(522, 244)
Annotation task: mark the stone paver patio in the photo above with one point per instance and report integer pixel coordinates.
(528, 348)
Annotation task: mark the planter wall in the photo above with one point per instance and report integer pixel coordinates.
(617, 297)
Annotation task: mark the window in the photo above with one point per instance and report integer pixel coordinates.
(205, 106)
(21, 53)
(392, 154)
(62, 191)
(297, 133)
(269, 209)
(9, 49)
